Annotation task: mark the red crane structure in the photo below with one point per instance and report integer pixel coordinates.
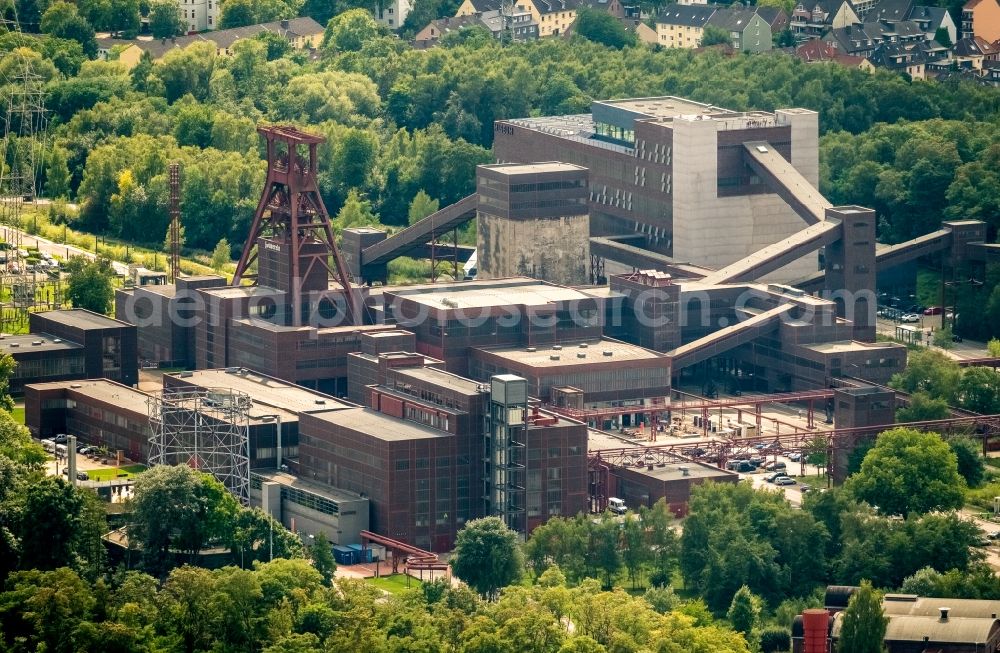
(291, 237)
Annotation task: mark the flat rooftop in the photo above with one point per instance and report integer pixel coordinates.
(440, 378)
(382, 427)
(515, 292)
(594, 353)
(578, 127)
(666, 106)
(532, 168)
(82, 319)
(19, 344)
(321, 489)
(844, 346)
(104, 391)
(264, 390)
(675, 471)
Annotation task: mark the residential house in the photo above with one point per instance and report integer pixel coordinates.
(643, 32)
(901, 58)
(981, 18)
(681, 26)
(748, 30)
(820, 51)
(301, 33)
(392, 13)
(775, 17)
(692, 2)
(855, 39)
(553, 16)
(470, 7)
(929, 19)
(813, 18)
(991, 72)
(520, 27)
(199, 15)
(972, 52)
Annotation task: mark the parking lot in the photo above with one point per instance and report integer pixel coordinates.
(92, 465)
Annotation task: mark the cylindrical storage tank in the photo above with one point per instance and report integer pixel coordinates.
(816, 625)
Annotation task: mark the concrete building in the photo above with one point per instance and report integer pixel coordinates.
(813, 19)
(200, 15)
(310, 508)
(981, 18)
(533, 221)
(681, 26)
(516, 26)
(669, 174)
(393, 14)
(672, 482)
(73, 344)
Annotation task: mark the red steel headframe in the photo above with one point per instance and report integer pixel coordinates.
(291, 206)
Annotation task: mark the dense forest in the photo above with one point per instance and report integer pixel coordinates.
(401, 121)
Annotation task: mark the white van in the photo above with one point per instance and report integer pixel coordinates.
(617, 506)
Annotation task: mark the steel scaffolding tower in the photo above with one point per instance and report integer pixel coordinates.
(175, 222)
(504, 450)
(204, 429)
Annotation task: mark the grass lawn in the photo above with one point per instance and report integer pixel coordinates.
(110, 474)
(18, 414)
(395, 583)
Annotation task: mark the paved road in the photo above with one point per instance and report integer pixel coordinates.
(958, 350)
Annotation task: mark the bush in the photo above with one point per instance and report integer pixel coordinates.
(774, 639)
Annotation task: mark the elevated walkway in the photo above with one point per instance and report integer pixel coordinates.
(778, 255)
(725, 339)
(612, 249)
(415, 237)
(789, 184)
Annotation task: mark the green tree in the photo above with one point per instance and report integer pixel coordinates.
(603, 553)
(774, 639)
(864, 624)
(187, 70)
(969, 455)
(993, 347)
(421, 207)
(256, 536)
(487, 556)
(322, 557)
(165, 19)
(15, 439)
(908, 472)
(349, 31)
(744, 611)
(221, 255)
(50, 518)
(51, 605)
(179, 509)
(601, 27)
(979, 390)
(932, 372)
(57, 176)
(90, 284)
(942, 36)
(713, 35)
(63, 21)
(923, 408)
(356, 212)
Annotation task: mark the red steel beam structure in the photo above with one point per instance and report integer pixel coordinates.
(291, 207)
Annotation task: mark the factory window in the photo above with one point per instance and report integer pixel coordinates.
(553, 473)
(554, 452)
(423, 463)
(443, 461)
(573, 451)
(402, 465)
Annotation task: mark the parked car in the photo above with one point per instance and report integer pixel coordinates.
(995, 535)
(82, 476)
(775, 466)
(956, 338)
(60, 438)
(795, 456)
(617, 506)
(910, 317)
(805, 488)
(933, 310)
(784, 480)
(770, 478)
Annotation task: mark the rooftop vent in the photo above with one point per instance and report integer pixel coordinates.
(185, 375)
(531, 350)
(321, 402)
(557, 347)
(57, 340)
(583, 345)
(685, 471)
(554, 357)
(608, 352)
(580, 354)
(232, 370)
(35, 343)
(76, 385)
(944, 613)
(14, 344)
